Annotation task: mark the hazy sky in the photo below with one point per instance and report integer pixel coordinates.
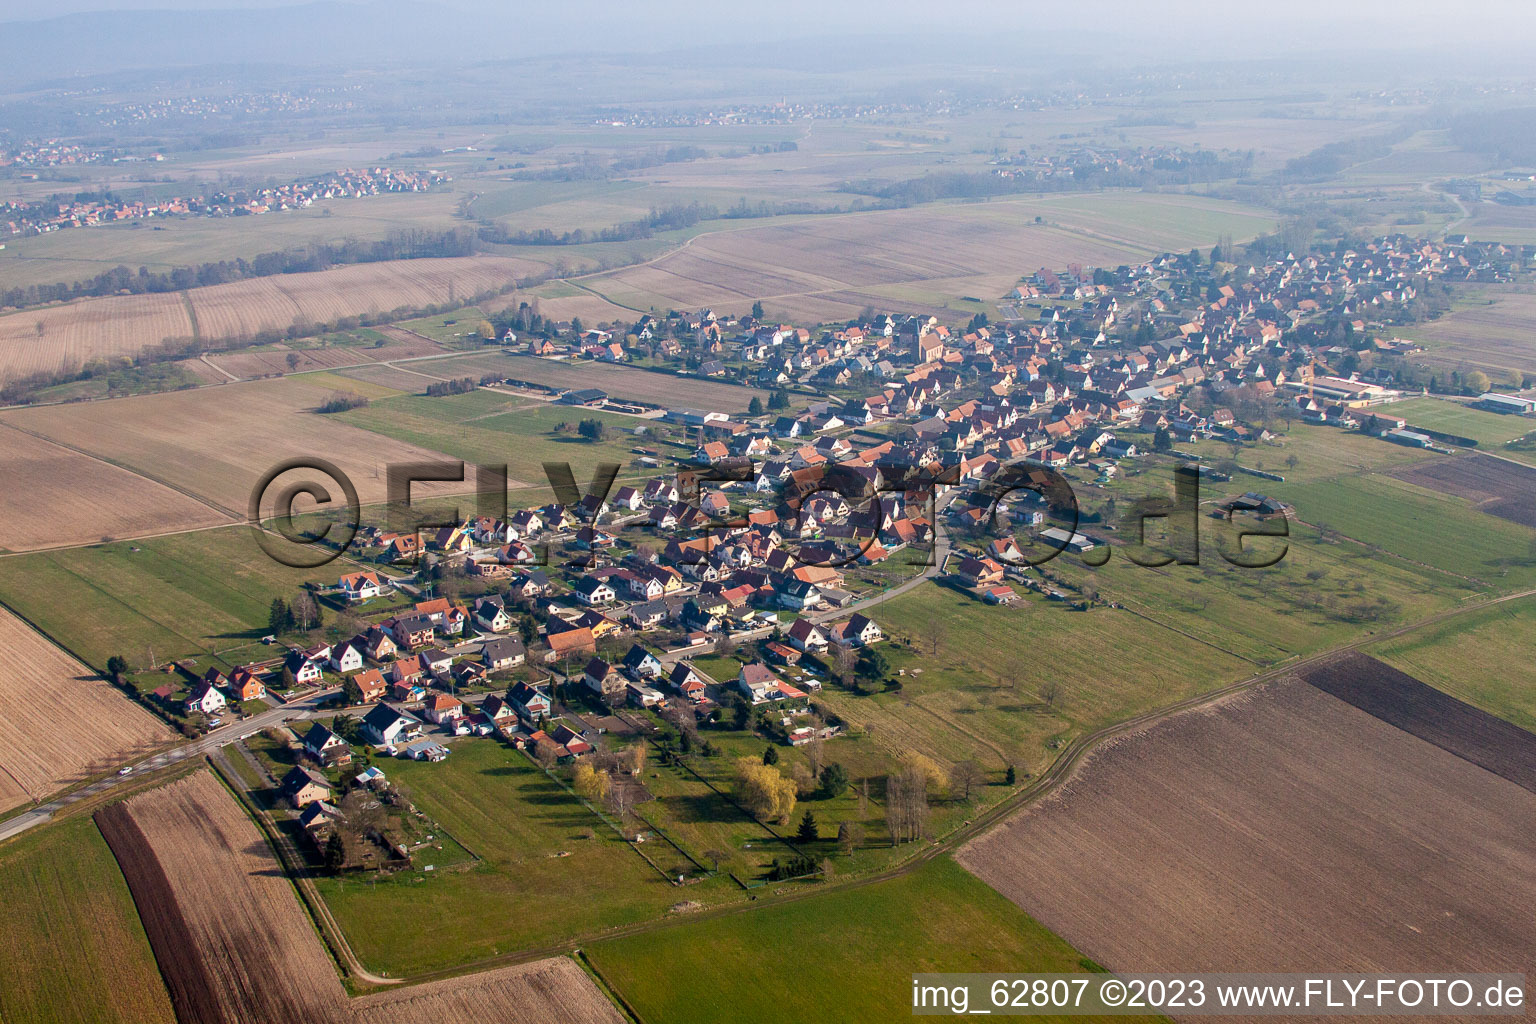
(1166, 27)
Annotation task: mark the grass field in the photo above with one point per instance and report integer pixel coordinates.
(550, 870)
(1490, 430)
(982, 696)
(75, 951)
(189, 595)
(486, 427)
(1486, 658)
(839, 957)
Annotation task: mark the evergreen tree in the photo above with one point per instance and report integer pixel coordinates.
(807, 832)
(1013, 775)
(756, 407)
(834, 780)
(280, 617)
(771, 755)
(757, 310)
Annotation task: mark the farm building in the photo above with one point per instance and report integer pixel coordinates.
(1077, 543)
(1411, 438)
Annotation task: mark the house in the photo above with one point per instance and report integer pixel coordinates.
(641, 663)
(347, 657)
(643, 696)
(360, 586)
(575, 743)
(603, 679)
(370, 685)
(443, 708)
(318, 819)
(325, 746)
(593, 590)
(304, 669)
(979, 572)
(447, 618)
(999, 593)
(856, 631)
(205, 697)
(686, 681)
(491, 614)
(757, 683)
(528, 702)
(386, 727)
(805, 635)
(246, 685)
(503, 653)
(411, 631)
(303, 786)
(378, 644)
(570, 642)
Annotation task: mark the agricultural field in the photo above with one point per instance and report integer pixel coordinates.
(63, 892)
(1399, 699)
(202, 595)
(54, 496)
(556, 989)
(548, 870)
(1485, 657)
(622, 382)
(1496, 486)
(38, 757)
(365, 346)
(831, 267)
(1012, 685)
(76, 333)
(1493, 330)
(1428, 856)
(56, 339)
(493, 428)
(223, 919)
(843, 956)
(215, 443)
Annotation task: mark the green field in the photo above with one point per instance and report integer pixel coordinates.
(549, 871)
(484, 427)
(1486, 658)
(186, 595)
(843, 956)
(75, 950)
(1489, 429)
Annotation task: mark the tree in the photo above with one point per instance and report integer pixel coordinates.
(834, 780)
(117, 667)
(637, 758)
(486, 330)
(1050, 692)
(850, 836)
(1476, 382)
(755, 407)
(763, 791)
(335, 853)
(1162, 441)
(715, 857)
(589, 783)
(771, 755)
(964, 777)
(592, 429)
(1013, 775)
(931, 634)
(807, 832)
(757, 312)
(620, 800)
(935, 779)
(871, 665)
(280, 616)
(906, 804)
(305, 612)
(293, 361)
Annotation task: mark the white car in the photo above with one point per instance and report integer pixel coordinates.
(125, 770)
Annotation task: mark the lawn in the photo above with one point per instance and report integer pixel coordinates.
(842, 956)
(186, 595)
(74, 948)
(549, 870)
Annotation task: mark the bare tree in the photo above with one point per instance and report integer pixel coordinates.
(850, 836)
(1050, 692)
(964, 777)
(621, 800)
(816, 752)
(931, 634)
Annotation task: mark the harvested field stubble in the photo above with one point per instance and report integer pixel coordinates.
(534, 993)
(37, 755)
(1499, 487)
(1280, 830)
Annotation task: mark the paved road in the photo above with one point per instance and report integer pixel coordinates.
(225, 734)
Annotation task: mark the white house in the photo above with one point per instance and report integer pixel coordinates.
(205, 697)
(360, 586)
